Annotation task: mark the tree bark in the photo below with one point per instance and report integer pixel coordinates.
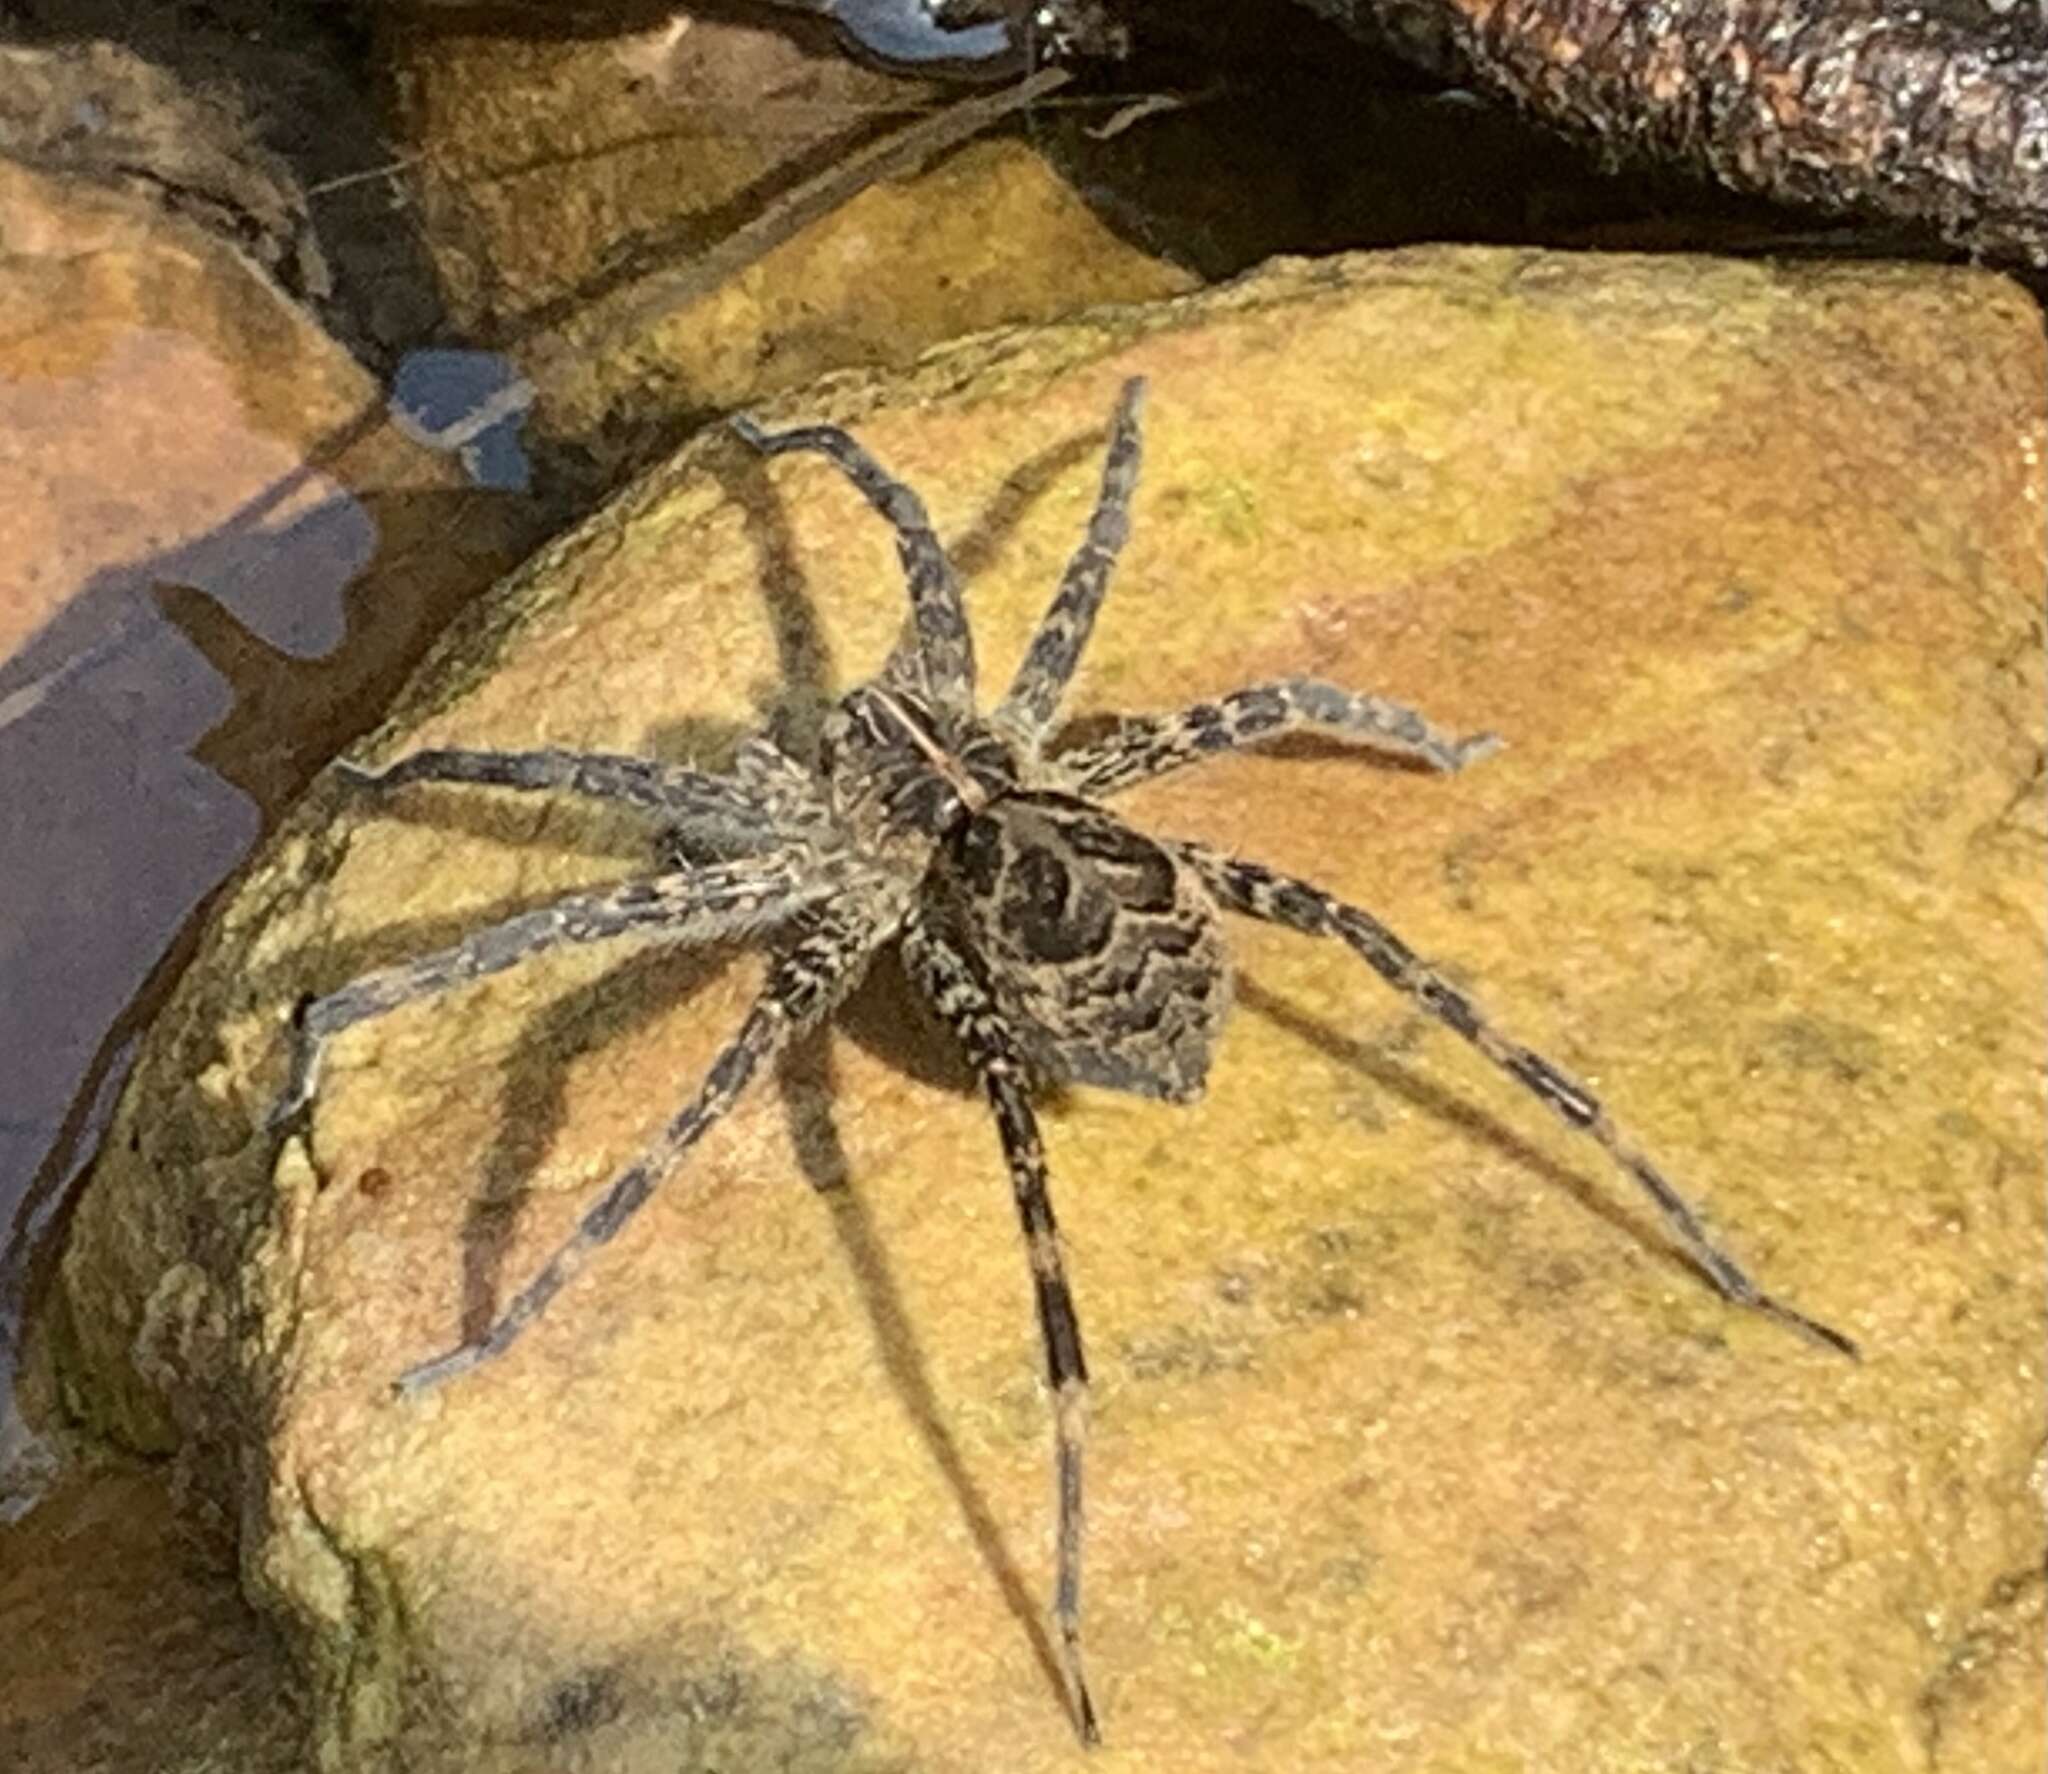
(1934, 113)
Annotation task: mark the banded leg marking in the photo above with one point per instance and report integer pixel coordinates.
(950, 982)
(1062, 634)
(639, 782)
(689, 906)
(1154, 745)
(1260, 892)
(945, 644)
(805, 983)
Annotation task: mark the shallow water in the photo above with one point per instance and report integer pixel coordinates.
(112, 832)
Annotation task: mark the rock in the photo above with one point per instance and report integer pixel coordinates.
(101, 112)
(210, 582)
(182, 447)
(255, 120)
(129, 1649)
(645, 150)
(1415, 1447)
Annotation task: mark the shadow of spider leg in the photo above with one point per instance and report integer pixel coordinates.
(1260, 892)
(809, 976)
(688, 906)
(944, 651)
(667, 790)
(1152, 745)
(949, 979)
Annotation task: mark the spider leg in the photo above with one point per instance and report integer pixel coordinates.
(1260, 892)
(945, 646)
(807, 980)
(948, 978)
(1063, 631)
(688, 906)
(769, 777)
(686, 797)
(1153, 745)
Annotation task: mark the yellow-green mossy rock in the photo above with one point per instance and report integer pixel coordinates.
(652, 153)
(1415, 1447)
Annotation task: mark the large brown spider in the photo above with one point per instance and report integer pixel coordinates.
(1054, 940)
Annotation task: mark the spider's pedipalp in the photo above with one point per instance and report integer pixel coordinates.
(807, 980)
(952, 983)
(1063, 631)
(1152, 745)
(689, 906)
(1260, 892)
(945, 645)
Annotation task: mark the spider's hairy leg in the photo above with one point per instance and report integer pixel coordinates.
(769, 778)
(807, 980)
(1063, 631)
(945, 646)
(688, 906)
(1260, 892)
(666, 790)
(1153, 745)
(949, 980)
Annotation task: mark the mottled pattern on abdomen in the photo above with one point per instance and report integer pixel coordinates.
(1100, 945)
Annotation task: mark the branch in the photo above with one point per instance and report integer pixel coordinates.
(1935, 113)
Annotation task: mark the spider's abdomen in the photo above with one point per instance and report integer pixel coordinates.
(1100, 947)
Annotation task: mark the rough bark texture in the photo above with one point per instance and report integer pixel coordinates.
(1934, 114)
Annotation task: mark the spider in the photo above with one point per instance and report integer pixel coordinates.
(1055, 941)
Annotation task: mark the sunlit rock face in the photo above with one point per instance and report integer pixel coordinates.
(1414, 1446)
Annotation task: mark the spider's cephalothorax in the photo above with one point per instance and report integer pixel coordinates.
(1053, 939)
